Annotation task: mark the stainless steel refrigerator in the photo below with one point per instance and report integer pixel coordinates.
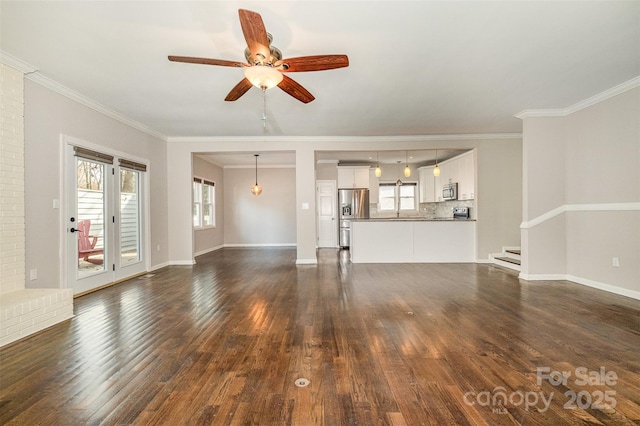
(352, 204)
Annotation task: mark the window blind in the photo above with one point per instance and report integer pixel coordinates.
(128, 164)
(92, 155)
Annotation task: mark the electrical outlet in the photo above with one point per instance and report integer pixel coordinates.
(615, 262)
(33, 274)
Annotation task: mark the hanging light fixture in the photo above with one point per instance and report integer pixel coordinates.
(399, 182)
(436, 169)
(378, 171)
(256, 189)
(407, 170)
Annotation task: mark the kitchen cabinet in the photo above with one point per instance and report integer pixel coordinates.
(466, 176)
(353, 177)
(443, 179)
(460, 170)
(427, 184)
(407, 241)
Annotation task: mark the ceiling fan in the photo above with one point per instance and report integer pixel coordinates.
(265, 67)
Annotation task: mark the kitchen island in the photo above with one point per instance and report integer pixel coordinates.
(413, 240)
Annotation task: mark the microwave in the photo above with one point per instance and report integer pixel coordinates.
(450, 191)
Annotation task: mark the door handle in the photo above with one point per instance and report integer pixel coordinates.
(72, 230)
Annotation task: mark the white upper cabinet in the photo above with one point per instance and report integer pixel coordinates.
(460, 170)
(427, 184)
(353, 177)
(466, 176)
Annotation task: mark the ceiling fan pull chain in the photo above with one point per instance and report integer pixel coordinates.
(264, 109)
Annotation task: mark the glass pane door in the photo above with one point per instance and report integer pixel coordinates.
(105, 220)
(129, 217)
(91, 213)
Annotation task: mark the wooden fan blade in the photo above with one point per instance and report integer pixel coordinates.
(255, 34)
(295, 90)
(313, 63)
(206, 61)
(239, 90)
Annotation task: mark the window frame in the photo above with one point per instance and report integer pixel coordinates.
(397, 197)
(199, 186)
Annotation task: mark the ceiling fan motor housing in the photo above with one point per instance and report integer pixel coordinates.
(274, 53)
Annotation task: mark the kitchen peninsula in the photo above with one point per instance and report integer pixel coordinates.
(413, 240)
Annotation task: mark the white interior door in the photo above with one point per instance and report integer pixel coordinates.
(326, 202)
(103, 219)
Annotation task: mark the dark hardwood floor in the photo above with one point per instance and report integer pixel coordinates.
(224, 341)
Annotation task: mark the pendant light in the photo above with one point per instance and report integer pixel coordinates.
(256, 189)
(436, 169)
(378, 171)
(399, 182)
(407, 170)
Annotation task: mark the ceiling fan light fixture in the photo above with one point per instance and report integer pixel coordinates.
(263, 77)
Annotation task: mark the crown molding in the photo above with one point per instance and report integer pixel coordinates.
(32, 74)
(261, 166)
(90, 103)
(321, 139)
(18, 64)
(593, 100)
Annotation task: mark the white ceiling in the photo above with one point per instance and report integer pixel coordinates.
(416, 67)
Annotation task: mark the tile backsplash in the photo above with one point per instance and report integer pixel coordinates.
(427, 210)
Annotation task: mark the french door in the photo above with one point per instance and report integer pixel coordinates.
(104, 218)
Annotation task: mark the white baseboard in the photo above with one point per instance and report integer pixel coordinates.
(159, 266)
(484, 260)
(262, 245)
(582, 281)
(306, 261)
(606, 287)
(209, 250)
(542, 277)
(182, 262)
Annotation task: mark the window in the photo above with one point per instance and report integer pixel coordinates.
(204, 196)
(392, 196)
(208, 203)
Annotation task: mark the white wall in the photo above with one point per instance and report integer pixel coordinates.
(499, 180)
(48, 115)
(582, 195)
(498, 196)
(266, 219)
(208, 239)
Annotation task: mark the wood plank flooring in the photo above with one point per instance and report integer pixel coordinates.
(223, 342)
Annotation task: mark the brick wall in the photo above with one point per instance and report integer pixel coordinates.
(12, 234)
(23, 311)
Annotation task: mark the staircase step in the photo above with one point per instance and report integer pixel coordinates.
(514, 251)
(509, 260)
